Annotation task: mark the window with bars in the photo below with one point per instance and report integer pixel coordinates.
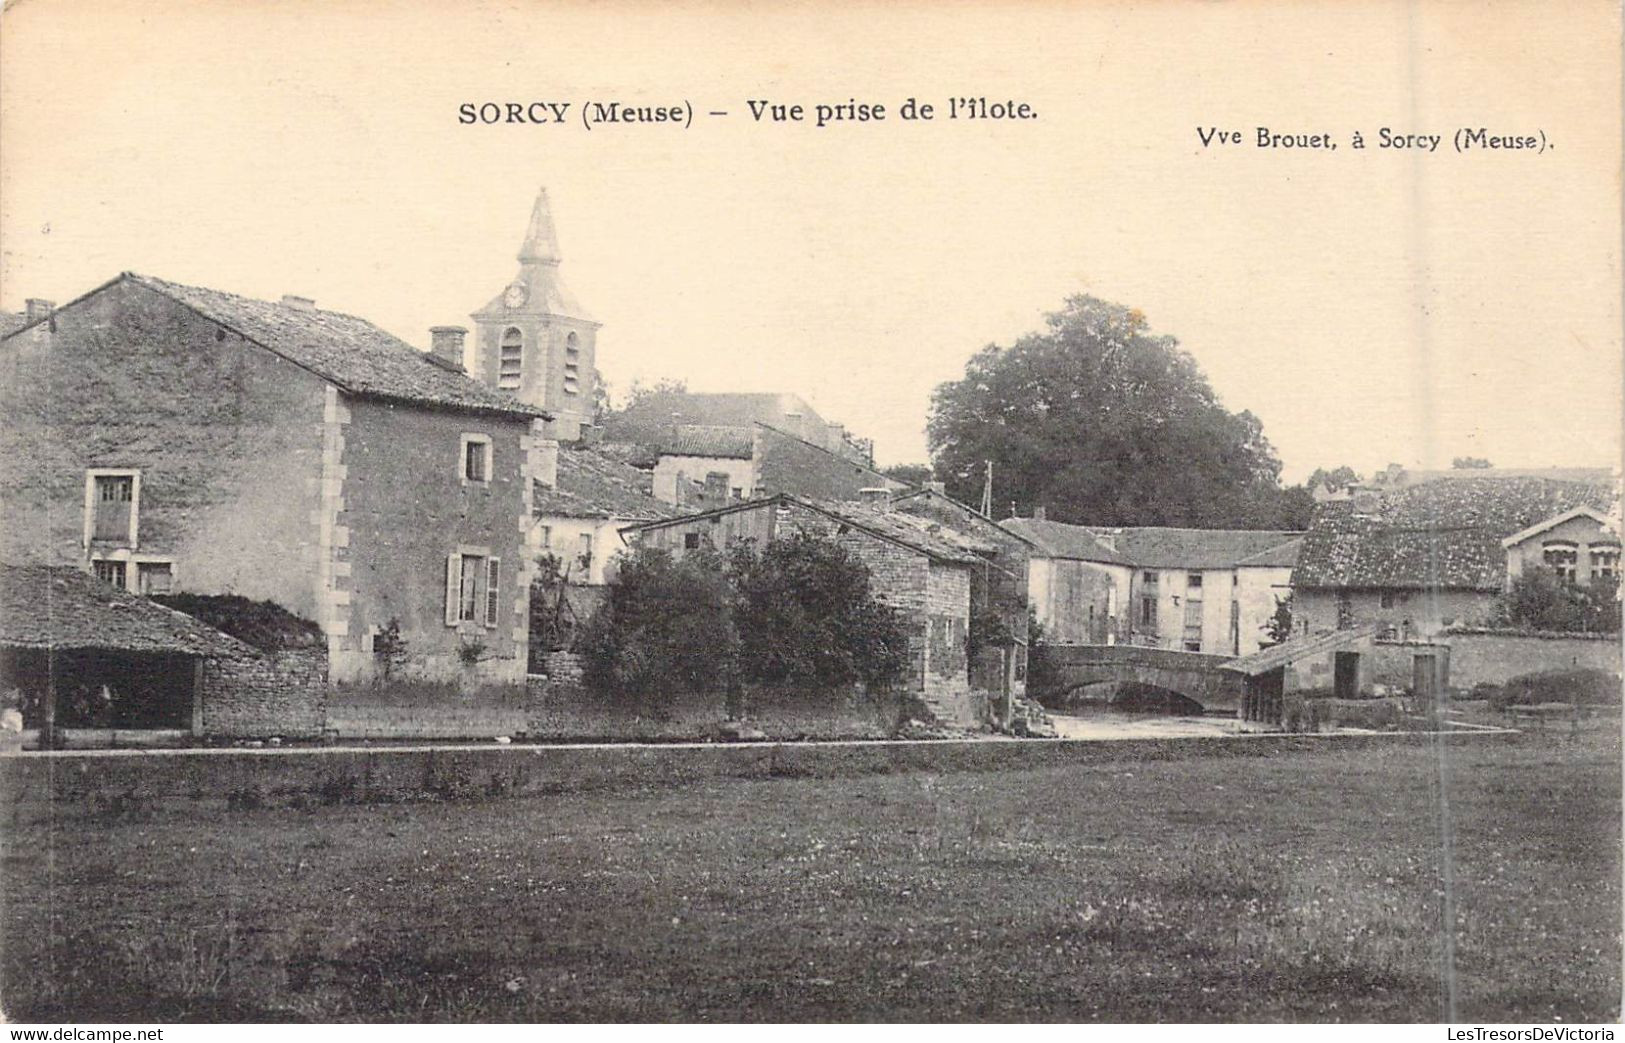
(511, 362)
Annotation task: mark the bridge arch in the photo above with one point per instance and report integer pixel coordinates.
(1192, 682)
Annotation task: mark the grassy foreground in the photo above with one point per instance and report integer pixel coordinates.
(1308, 886)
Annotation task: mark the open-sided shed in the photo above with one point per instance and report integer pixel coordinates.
(78, 653)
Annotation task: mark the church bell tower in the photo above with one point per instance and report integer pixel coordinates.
(534, 341)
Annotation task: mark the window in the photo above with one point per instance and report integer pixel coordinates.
(112, 503)
(109, 572)
(1562, 558)
(1604, 561)
(572, 365)
(154, 577)
(1150, 578)
(510, 364)
(584, 542)
(1193, 646)
(547, 535)
(476, 459)
(691, 541)
(472, 587)
(1148, 611)
(1193, 582)
(739, 494)
(1386, 599)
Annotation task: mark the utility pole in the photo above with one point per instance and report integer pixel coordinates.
(987, 491)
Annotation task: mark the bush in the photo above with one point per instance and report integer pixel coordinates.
(664, 629)
(1540, 600)
(806, 617)
(1576, 687)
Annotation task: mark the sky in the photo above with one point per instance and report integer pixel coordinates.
(1369, 306)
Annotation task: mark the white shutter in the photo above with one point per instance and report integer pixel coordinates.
(454, 586)
(493, 587)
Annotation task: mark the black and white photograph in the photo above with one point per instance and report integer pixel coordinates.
(810, 513)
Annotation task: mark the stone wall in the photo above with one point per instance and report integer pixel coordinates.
(1497, 656)
(226, 437)
(273, 694)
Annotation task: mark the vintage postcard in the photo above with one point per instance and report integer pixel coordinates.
(521, 512)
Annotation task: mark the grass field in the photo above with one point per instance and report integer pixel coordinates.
(1323, 885)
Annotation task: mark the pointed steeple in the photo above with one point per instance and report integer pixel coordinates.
(541, 241)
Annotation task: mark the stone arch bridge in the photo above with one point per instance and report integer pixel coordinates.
(1059, 672)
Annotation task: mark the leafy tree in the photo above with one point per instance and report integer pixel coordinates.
(639, 391)
(1539, 599)
(806, 617)
(913, 474)
(665, 627)
(1336, 478)
(1101, 421)
(1469, 463)
(1279, 626)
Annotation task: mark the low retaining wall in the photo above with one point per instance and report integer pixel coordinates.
(1497, 656)
(132, 785)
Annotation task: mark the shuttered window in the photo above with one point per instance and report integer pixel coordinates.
(473, 589)
(493, 586)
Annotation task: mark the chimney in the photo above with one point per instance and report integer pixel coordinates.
(877, 497)
(546, 462)
(446, 344)
(1040, 513)
(37, 308)
(302, 303)
(940, 488)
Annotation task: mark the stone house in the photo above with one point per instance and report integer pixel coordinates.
(999, 586)
(921, 569)
(171, 438)
(1193, 590)
(1430, 555)
(754, 461)
(583, 498)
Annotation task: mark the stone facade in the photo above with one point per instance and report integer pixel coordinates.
(1417, 613)
(249, 474)
(1496, 656)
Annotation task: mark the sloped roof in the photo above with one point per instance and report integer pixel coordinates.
(923, 534)
(1062, 540)
(62, 607)
(1296, 648)
(895, 528)
(352, 353)
(927, 493)
(11, 322)
(594, 484)
(1280, 556)
(728, 443)
(1157, 547)
(1554, 521)
(1444, 534)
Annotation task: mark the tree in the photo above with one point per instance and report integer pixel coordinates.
(664, 628)
(806, 617)
(910, 474)
(1279, 626)
(1101, 421)
(1469, 463)
(639, 391)
(1336, 478)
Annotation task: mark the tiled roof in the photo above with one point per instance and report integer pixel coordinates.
(922, 534)
(265, 625)
(1296, 648)
(1280, 556)
(1061, 540)
(352, 353)
(11, 322)
(1156, 547)
(1444, 534)
(594, 484)
(728, 443)
(62, 607)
